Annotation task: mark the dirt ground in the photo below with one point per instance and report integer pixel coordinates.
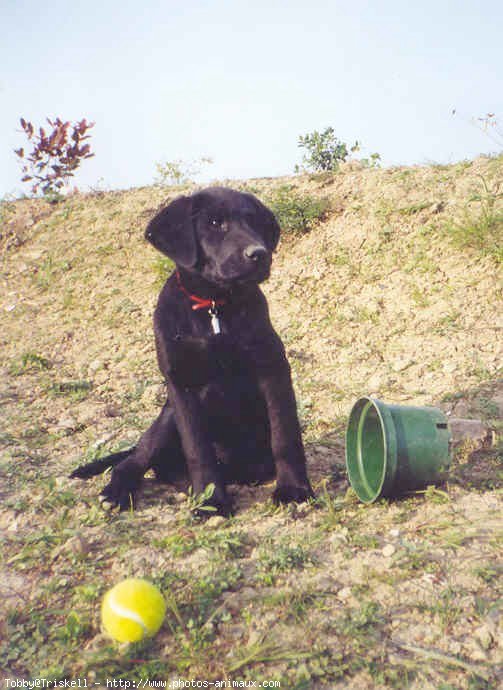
(378, 299)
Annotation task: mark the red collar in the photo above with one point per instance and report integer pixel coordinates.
(199, 302)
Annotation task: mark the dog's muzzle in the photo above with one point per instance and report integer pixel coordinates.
(256, 253)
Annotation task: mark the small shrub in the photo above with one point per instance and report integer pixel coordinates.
(297, 213)
(324, 151)
(180, 172)
(373, 161)
(55, 156)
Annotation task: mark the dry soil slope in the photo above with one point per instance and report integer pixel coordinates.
(374, 300)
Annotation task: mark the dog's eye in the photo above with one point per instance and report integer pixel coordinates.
(218, 224)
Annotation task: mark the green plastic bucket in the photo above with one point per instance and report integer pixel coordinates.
(391, 449)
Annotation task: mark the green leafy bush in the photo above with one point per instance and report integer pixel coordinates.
(324, 151)
(297, 213)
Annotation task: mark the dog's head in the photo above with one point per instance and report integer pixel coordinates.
(226, 236)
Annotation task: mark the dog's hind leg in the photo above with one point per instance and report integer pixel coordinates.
(159, 448)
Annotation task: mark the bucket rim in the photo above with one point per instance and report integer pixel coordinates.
(355, 465)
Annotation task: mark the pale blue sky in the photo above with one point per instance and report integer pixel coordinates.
(240, 81)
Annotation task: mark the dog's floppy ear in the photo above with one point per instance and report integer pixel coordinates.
(171, 231)
(268, 224)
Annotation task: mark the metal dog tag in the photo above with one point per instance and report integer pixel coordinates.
(215, 323)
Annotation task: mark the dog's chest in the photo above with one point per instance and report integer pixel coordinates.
(217, 320)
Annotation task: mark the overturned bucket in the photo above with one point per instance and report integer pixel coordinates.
(391, 449)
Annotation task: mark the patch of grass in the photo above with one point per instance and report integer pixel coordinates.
(340, 258)
(334, 509)
(477, 468)
(448, 323)
(419, 297)
(454, 538)
(421, 262)
(487, 408)
(294, 604)
(29, 361)
(297, 213)
(480, 371)
(276, 559)
(7, 439)
(365, 541)
(413, 209)
(225, 543)
(33, 549)
(304, 411)
(434, 495)
(489, 573)
(447, 609)
(126, 306)
(359, 630)
(162, 268)
(264, 651)
(364, 314)
(202, 593)
(383, 210)
(412, 559)
(194, 613)
(106, 249)
(76, 390)
(48, 270)
(480, 229)
(75, 628)
(391, 676)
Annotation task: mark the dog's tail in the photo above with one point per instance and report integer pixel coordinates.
(99, 466)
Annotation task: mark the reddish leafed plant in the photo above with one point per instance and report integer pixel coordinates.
(55, 155)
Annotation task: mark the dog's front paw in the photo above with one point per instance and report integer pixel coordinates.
(292, 494)
(120, 492)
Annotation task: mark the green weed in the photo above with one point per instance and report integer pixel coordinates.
(199, 502)
(29, 361)
(297, 213)
(76, 390)
(223, 543)
(264, 651)
(488, 573)
(413, 209)
(278, 559)
(481, 225)
(48, 270)
(162, 267)
(447, 609)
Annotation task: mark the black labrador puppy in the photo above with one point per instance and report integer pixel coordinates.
(231, 414)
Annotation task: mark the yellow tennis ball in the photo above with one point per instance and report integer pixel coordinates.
(132, 610)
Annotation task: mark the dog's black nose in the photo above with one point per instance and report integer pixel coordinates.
(255, 252)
